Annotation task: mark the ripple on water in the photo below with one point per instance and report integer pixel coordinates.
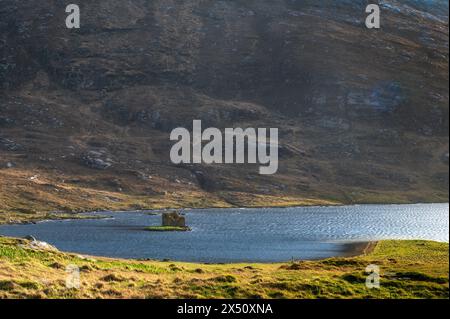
(233, 235)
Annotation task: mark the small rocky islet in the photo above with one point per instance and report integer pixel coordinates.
(171, 221)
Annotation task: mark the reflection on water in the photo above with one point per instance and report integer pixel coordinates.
(232, 235)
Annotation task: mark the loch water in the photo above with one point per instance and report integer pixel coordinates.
(243, 235)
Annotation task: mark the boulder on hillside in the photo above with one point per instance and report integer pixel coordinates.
(34, 244)
(96, 160)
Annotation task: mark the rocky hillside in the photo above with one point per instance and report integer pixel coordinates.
(85, 114)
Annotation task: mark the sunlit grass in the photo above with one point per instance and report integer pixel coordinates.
(408, 269)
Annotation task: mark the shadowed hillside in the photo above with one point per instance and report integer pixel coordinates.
(85, 115)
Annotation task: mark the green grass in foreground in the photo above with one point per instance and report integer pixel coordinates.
(409, 269)
(166, 228)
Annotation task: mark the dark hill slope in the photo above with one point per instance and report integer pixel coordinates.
(85, 114)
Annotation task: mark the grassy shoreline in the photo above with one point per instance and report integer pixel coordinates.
(17, 217)
(408, 269)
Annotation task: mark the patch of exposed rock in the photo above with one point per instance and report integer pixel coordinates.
(96, 160)
(34, 244)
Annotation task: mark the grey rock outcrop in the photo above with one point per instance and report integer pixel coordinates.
(96, 160)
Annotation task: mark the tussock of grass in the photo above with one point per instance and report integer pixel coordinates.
(409, 269)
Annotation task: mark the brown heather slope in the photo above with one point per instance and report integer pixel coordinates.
(85, 114)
